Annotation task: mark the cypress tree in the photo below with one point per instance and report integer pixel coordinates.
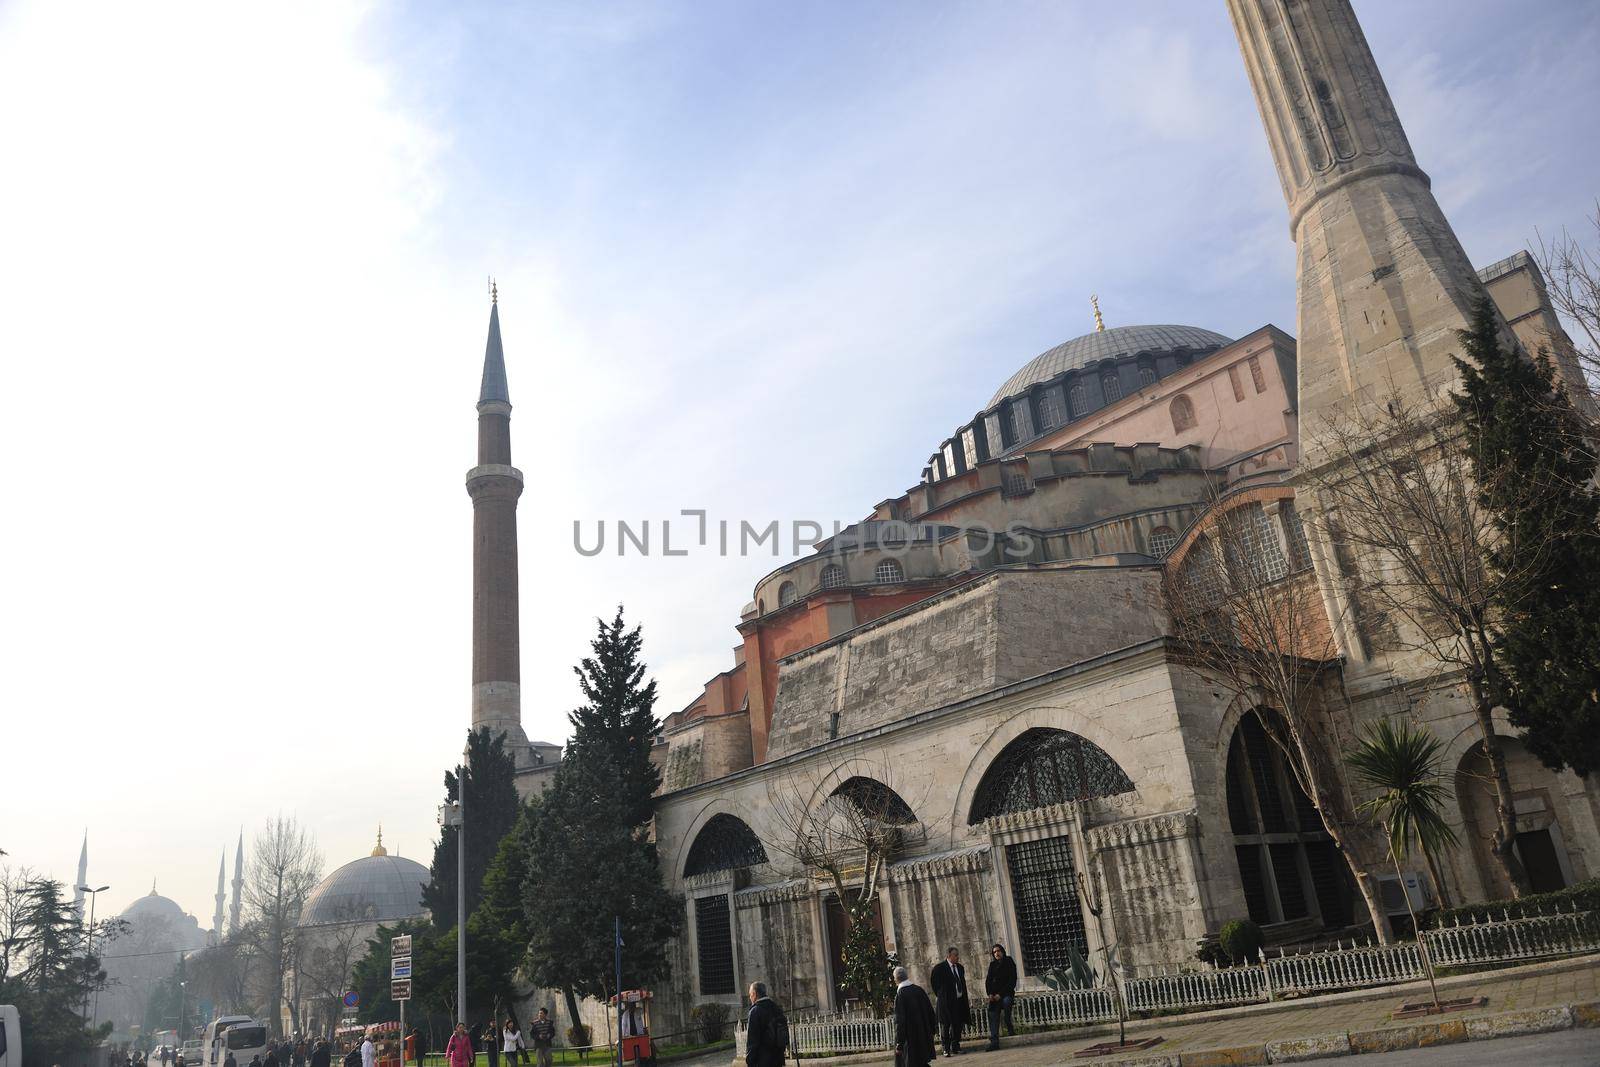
(618, 718)
(1534, 465)
(492, 809)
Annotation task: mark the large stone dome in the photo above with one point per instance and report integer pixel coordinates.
(375, 888)
(155, 906)
(1103, 344)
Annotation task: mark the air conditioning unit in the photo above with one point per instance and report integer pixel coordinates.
(1393, 889)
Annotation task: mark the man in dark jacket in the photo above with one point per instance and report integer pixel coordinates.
(949, 982)
(913, 1023)
(766, 1032)
(1000, 985)
(321, 1053)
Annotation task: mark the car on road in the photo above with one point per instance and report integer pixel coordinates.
(192, 1054)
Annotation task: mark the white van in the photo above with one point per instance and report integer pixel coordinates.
(238, 1034)
(10, 1037)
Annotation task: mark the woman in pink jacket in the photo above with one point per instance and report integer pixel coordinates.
(459, 1050)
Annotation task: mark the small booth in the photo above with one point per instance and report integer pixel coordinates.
(634, 1020)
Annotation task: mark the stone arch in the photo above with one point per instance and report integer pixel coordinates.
(713, 810)
(876, 799)
(1546, 826)
(1049, 717)
(724, 843)
(1044, 766)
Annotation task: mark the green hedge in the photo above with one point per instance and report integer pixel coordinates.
(1585, 896)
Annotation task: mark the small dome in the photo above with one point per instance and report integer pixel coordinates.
(377, 888)
(1104, 344)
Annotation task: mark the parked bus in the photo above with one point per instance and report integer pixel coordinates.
(238, 1034)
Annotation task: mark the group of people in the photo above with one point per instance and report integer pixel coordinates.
(504, 1039)
(301, 1052)
(918, 1024)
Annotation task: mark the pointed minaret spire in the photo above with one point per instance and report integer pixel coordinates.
(493, 389)
(217, 919)
(494, 485)
(83, 875)
(236, 913)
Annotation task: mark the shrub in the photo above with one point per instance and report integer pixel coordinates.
(1585, 896)
(577, 1036)
(712, 1019)
(1209, 950)
(1241, 939)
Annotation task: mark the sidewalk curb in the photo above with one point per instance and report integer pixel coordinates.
(1298, 1049)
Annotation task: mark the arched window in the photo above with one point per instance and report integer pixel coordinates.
(1147, 375)
(1200, 576)
(1258, 541)
(832, 576)
(1287, 861)
(876, 800)
(1182, 410)
(888, 570)
(786, 594)
(724, 843)
(1077, 400)
(1044, 767)
(761, 606)
(1161, 540)
(1111, 385)
(1049, 411)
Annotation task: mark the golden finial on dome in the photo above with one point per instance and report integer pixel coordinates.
(378, 849)
(1099, 323)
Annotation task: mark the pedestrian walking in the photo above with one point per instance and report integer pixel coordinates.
(949, 982)
(229, 1060)
(512, 1046)
(458, 1051)
(272, 1056)
(491, 1040)
(321, 1053)
(914, 1022)
(766, 1031)
(369, 1052)
(543, 1033)
(1000, 986)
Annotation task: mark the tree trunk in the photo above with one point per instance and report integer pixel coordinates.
(572, 1008)
(1434, 873)
(1505, 833)
(1334, 822)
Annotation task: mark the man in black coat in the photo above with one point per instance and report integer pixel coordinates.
(1000, 986)
(766, 1032)
(321, 1054)
(949, 982)
(913, 1023)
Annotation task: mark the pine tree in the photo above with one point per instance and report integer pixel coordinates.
(49, 976)
(590, 855)
(497, 931)
(1534, 467)
(492, 809)
(619, 716)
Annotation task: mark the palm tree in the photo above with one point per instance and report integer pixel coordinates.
(1401, 764)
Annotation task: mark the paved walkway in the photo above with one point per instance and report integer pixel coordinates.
(1538, 985)
(1530, 987)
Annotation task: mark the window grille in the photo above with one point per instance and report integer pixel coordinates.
(1200, 576)
(888, 570)
(1161, 540)
(1049, 411)
(1021, 424)
(1077, 401)
(1147, 376)
(1295, 533)
(969, 447)
(1016, 484)
(1111, 385)
(787, 594)
(1044, 767)
(832, 576)
(713, 935)
(1044, 892)
(876, 800)
(723, 843)
(1258, 541)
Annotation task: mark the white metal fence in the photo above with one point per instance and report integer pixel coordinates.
(1502, 940)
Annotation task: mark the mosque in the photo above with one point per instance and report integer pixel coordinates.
(988, 658)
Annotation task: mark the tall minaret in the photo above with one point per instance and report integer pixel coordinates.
(83, 876)
(494, 485)
(216, 919)
(1383, 281)
(235, 915)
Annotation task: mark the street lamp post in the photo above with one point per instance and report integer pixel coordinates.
(453, 813)
(94, 897)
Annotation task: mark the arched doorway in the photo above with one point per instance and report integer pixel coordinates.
(1288, 863)
(1039, 769)
(1540, 804)
(724, 844)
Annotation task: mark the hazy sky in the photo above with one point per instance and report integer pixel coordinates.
(757, 258)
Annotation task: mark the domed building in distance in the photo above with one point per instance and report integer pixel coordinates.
(339, 916)
(159, 933)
